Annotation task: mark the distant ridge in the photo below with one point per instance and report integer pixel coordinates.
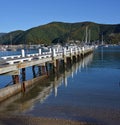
(65, 32)
(1, 34)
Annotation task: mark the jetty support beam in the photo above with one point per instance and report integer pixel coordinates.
(15, 79)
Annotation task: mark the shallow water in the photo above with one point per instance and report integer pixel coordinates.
(88, 91)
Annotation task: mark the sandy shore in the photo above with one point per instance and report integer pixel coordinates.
(24, 120)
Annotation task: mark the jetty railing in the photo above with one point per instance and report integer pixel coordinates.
(52, 53)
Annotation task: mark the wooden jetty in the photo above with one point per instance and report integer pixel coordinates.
(53, 85)
(11, 65)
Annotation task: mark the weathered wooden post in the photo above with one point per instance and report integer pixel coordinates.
(50, 66)
(46, 66)
(23, 74)
(43, 68)
(39, 70)
(23, 79)
(33, 70)
(57, 65)
(76, 53)
(82, 53)
(71, 56)
(15, 79)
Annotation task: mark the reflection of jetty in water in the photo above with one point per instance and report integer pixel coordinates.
(74, 69)
(25, 101)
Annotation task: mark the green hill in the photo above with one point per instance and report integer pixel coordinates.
(1, 34)
(64, 32)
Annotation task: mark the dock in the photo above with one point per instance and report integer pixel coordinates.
(12, 65)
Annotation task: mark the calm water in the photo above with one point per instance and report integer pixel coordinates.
(88, 91)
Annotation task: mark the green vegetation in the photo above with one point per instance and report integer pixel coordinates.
(63, 32)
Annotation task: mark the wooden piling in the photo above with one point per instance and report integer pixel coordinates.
(33, 71)
(39, 71)
(54, 66)
(46, 66)
(23, 74)
(15, 79)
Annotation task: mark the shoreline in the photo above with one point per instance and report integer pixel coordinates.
(29, 120)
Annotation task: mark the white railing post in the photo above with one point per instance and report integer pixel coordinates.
(64, 51)
(83, 49)
(50, 50)
(79, 50)
(23, 52)
(57, 49)
(71, 51)
(76, 51)
(53, 52)
(40, 52)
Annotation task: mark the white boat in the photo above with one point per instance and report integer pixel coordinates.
(106, 46)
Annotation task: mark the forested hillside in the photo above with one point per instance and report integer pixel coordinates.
(64, 32)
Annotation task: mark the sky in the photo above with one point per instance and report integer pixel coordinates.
(25, 14)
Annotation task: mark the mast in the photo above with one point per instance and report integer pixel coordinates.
(86, 36)
(89, 36)
(102, 40)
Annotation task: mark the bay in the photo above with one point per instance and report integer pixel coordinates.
(87, 91)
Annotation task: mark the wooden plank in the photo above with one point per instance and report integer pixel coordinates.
(16, 72)
(8, 68)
